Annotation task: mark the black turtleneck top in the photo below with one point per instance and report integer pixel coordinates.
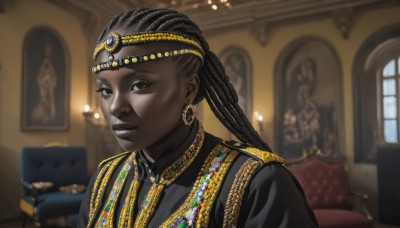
(273, 198)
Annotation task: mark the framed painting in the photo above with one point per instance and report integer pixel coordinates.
(238, 67)
(45, 81)
(308, 79)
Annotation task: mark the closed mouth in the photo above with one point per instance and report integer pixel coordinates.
(123, 130)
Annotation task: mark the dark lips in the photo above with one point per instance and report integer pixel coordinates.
(123, 130)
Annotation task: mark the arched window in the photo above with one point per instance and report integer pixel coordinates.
(376, 81)
(389, 97)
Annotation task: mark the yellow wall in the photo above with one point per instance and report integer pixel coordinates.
(14, 25)
(264, 59)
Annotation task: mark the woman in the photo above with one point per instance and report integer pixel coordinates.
(152, 66)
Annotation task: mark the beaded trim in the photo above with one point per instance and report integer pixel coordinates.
(149, 204)
(114, 64)
(107, 217)
(170, 174)
(102, 180)
(114, 41)
(235, 196)
(126, 215)
(195, 210)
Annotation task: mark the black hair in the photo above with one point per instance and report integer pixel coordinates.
(214, 83)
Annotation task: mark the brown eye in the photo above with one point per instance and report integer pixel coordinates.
(104, 91)
(139, 85)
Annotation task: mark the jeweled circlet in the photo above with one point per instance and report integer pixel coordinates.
(115, 41)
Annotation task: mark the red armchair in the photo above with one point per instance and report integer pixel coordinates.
(328, 192)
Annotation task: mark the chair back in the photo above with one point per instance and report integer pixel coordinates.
(60, 165)
(325, 183)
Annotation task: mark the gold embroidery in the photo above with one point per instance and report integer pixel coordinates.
(235, 196)
(265, 156)
(112, 158)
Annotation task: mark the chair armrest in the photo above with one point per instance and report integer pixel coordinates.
(32, 190)
(363, 201)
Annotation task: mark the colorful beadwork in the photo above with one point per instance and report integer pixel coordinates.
(100, 184)
(128, 60)
(195, 210)
(126, 215)
(114, 41)
(107, 216)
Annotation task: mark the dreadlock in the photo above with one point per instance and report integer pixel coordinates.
(214, 83)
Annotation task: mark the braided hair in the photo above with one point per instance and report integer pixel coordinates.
(214, 83)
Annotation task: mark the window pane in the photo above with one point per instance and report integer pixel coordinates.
(389, 107)
(389, 69)
(389, 87)
(390, 129)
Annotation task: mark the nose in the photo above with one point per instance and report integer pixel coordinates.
(120, 106)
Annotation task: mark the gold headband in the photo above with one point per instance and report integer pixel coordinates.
(143, 58)
(115, 41)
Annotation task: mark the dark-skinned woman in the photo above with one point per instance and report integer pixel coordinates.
(152, 66)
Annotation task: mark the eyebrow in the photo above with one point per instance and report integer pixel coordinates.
(128, 74)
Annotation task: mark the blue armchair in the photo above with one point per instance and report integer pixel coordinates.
(46, 170)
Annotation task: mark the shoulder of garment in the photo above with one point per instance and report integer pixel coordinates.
(264, 157)
(110, 159)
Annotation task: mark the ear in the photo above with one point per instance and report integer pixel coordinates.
(192, 84)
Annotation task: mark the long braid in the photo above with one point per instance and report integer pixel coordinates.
(214, 83)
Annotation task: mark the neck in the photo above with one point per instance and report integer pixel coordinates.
(179, 138)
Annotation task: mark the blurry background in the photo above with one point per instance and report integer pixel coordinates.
(310, 74)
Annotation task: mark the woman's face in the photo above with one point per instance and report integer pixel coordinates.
(143, 102)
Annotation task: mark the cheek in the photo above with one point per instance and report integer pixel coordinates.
(104, 106)
(157, 107)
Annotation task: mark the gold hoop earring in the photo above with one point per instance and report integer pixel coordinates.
(188, 115)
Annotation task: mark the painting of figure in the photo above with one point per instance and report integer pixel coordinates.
(309, 101)
(45, 81)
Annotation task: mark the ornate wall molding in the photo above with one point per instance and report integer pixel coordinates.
(261, 15)
(260, 30)
(342, 19)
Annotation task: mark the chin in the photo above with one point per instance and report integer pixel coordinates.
(128, 145)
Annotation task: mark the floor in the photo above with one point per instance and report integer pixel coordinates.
(18, 223)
